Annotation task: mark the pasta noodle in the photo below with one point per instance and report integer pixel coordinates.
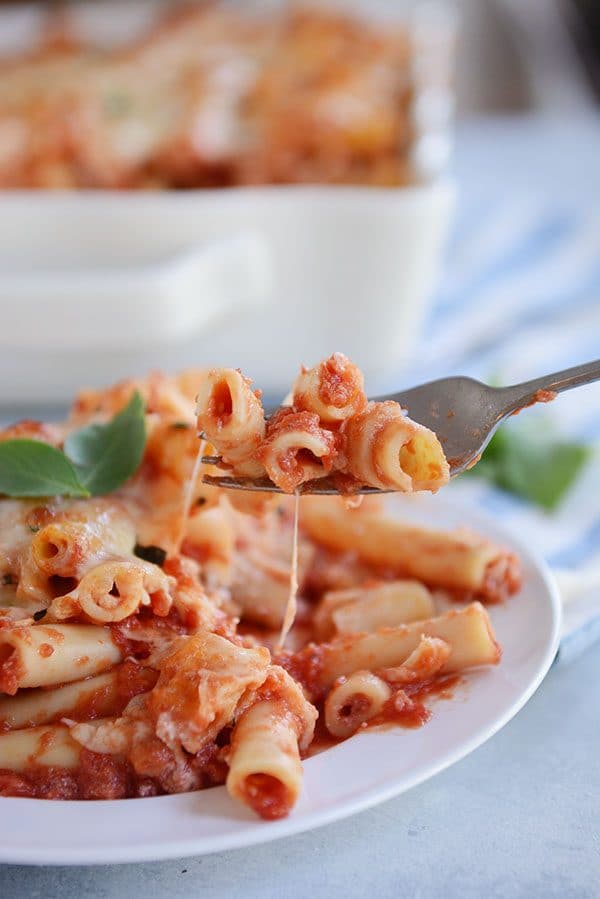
(43, 706)
(459, 561)
(354, 701)
(264, 765)
(210, 538)
(114, 590)
(384, 448)
(367, 608)
(260, 585)
(329, 427)
(296, 449)
(333, 389)
(74, 541)
(468, 632)
(43, 655)
(231, 417)
(46, 746)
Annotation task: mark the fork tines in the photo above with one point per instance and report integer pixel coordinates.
(318, 486)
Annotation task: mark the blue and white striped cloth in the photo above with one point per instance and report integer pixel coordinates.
(520, 297)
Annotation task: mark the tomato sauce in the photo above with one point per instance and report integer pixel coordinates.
(306, 667)
(11, 671)
(99, 776)
(267, 796)
(340, 383)
(407, 708)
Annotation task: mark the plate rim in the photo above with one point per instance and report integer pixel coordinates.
(163, 850)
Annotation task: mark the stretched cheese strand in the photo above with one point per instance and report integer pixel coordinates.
(290, 609)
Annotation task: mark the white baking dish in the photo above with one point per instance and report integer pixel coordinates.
(99, 286)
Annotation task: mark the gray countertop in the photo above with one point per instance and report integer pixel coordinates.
(519, 817)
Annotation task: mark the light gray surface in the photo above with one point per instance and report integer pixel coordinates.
(519, 817)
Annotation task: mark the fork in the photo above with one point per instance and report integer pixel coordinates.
(463, 412)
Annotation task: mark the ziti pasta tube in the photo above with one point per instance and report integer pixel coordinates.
(94, 697)
(81, 537)
(231, 417)
(468, 632)
(354, 701)
(385, 449)
(265, 771)
(334, 389)
(114, 590)
(296, 449)
(458, 561)
(52, 745)
(370, 607)
(44, 655)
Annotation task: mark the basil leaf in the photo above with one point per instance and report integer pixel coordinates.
(32, 468)
(107, 455)
(532, 464)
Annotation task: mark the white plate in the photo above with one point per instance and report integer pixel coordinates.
(352, 776)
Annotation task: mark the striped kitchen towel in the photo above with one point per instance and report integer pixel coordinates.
(520, 297)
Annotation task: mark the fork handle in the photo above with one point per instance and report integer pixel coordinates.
(520, 395)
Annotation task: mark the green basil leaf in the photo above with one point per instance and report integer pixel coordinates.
(32, 468)
(532, 464)
(107, 455)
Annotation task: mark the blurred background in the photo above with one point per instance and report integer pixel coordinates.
(123, 125)
(514, 56)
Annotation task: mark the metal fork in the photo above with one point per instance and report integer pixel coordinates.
(463, 412)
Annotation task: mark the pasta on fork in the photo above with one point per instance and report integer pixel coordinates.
(329, 427)
(140, 616)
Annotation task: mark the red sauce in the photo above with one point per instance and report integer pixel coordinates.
(540, 396)
(306, 667)
(204, 552)
(12, 784)
(45, 650)
(322, 740)
(545, 396)
(267, 796)
(137, 649)
(94, 704)
(57, 636)
(30, 429)
(340, 383)
(99, 776)
(176, 567)
(220, 405)
(502, 578)
(39, 517)
(11, 670)
(210, 761)
(406, 707)
(123, 632)
(133, 679)
(289, 470)
(102, 776)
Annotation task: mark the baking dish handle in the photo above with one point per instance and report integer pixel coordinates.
(138, 305)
